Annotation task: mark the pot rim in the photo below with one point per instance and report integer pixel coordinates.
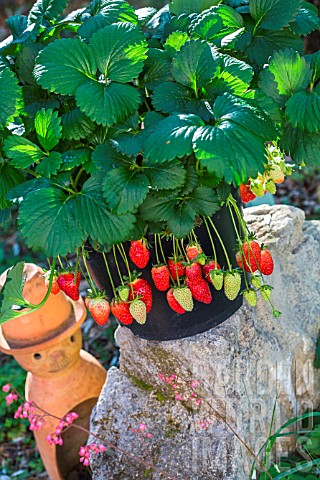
(74, 322)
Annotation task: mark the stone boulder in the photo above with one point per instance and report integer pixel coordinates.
(242, 365)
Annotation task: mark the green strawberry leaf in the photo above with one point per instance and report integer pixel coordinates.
(306, 21)
(274, 14)
(12, 303)
(194, 65)
(10, 94)
(92, 25)
(114, 10)
(17, 25)
(105, 158)
(9, 178)
(75, 158)
(106, 14)
(204, 201)
(157, 209)
(264, 44)
(48, 128)
(107, 105)
(167, 175)
(171, 97)
(181, 220)
(269, 86)
(55, 217)
(235, 147)
(233, 76)
(201, 108)
(156, 69)
(191, 181)
(175, 135)
(314, 61)
(11, 295)
(46, 10)
(125, 189)
(217, 23)
(303, 147)
(50, 165)
(23, 152)
(120, 51)
(290, 71)
(96, 219)
(26, 62)
(174, 43)
(178, 7)
(75, 125)
(303, 111)
(129, 143)
(65, 65)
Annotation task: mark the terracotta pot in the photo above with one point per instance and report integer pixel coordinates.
(45, 322)
(61, 377)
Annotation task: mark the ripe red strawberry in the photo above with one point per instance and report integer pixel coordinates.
(249, 256)
(200, 290)
(266, 262)
(121, 311)
(161, 277)
(194, 271)
(193, 250)
(99, 308)
(176, 269)
(143, 290)
(55, 289)
(206, 269)
(139, 253)
(173, 303)
(66, 284)
(245, 194)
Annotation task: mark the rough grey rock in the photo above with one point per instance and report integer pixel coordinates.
(241, 364)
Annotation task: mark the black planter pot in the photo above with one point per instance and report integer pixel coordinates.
(162, 322)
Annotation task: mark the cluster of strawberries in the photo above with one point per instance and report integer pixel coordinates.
(256, 260)
(184, 279)
(275, 171)
(187, 277)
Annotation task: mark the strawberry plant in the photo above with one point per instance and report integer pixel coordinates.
(119, 123)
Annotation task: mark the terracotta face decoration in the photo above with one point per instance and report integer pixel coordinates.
(54, 359)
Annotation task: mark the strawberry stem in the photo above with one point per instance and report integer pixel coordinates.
(125, 260)
(60, 262)
(183, 249)
(163, 255)
(77, 267)
(222, 244)
(211, 241)
(117, 265)
(91, 282)
(179, 249)
(175, 260)
(194, 236)
(156, 248)
(49, 263)
(109, 273)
